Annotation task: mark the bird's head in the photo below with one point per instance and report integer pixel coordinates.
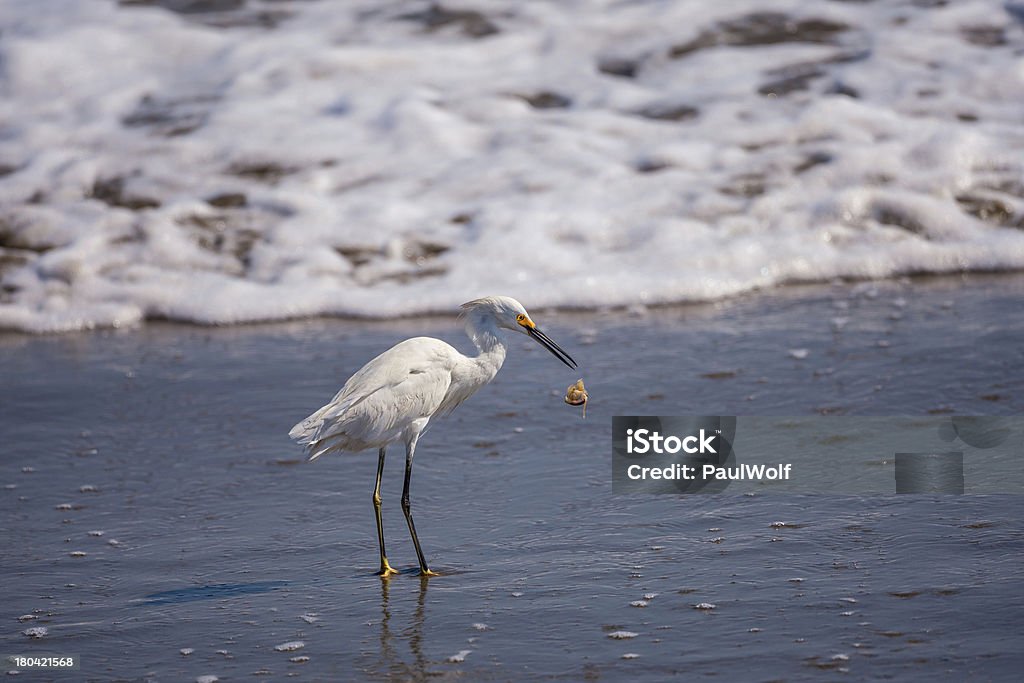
(507, 313)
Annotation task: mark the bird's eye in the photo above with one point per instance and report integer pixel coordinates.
(520, 318)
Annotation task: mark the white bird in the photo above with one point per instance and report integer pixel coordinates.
(395, 395)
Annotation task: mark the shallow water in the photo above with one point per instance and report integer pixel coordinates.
(217, 537)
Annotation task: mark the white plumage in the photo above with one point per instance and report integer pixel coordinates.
(394, 396)
(411, 381)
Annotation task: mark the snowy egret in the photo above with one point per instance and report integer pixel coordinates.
(394, 396)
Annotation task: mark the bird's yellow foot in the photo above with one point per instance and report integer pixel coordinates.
(386, 570)
(427, 572)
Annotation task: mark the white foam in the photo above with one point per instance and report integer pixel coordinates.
(410, 175)
(622, 635)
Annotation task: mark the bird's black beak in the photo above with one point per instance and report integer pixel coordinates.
(551, 346)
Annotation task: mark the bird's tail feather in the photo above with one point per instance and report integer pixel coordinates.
(308, 430)
(305, 431)
(310, 433)
(318, 447)
(333, 412)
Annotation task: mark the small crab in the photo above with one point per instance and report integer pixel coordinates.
(576, 395)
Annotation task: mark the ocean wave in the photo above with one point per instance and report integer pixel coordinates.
(227, 162)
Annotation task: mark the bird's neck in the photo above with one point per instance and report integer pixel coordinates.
(490, 342)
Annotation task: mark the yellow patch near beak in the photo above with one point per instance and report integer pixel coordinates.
(527, 323)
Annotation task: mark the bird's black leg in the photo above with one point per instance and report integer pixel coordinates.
(385, 568)
(407, 509)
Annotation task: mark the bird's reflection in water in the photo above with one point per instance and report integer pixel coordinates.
(393, 665)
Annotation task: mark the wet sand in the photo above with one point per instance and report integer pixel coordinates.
(160, 524)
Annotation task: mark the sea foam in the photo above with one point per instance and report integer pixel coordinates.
(382, 159)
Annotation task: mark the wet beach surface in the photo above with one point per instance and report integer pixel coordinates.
(159, 523)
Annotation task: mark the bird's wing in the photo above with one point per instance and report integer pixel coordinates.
(405, 383)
